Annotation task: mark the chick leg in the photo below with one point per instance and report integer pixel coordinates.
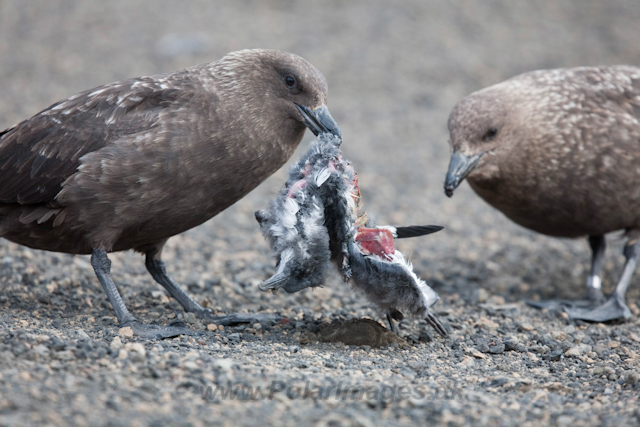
(102, 267)
(158, 271)
(392, 324)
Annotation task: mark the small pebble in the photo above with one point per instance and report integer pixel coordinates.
(632, 377)
(126, 332)
(475, 353)
(527, 327)
(190, 318)
(497, 349)
(136, 350)
(116, 343)
(81, 334)
(510, 343)
(578, 350)
(555, 355)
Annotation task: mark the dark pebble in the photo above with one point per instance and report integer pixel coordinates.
(19, 348)
(498, 382)
(44, 298)
(425, 337)
(482, 347)
(566, 345)
(554, 355)
(539, 349)
(497, 349)
(56, 344)
(510, 344)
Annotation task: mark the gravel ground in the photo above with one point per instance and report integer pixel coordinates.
(395, 70)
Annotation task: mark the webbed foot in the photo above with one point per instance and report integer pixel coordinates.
(594, 299)
(613, 308)
(233, 319)
(157, 332)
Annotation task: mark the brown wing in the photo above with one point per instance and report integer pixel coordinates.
(37, 155)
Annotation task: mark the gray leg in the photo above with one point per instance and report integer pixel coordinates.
(435, 324)
(157, 269)
(594, 284)
(102, 267)
(615, 306)
(431, 320)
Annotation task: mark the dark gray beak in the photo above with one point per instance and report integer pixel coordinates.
(459, 167)
(319, 120)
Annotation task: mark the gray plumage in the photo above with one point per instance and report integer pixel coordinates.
(294, 224)
(129, 164)
(393, 286)
(317, 217)
(557, 151)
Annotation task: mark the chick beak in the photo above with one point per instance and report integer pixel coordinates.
(319, 120)
(460, 166)
(274, 283)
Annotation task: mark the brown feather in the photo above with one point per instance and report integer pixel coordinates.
(565, 158)
(130, 164)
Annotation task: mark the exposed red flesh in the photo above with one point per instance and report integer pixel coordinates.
(376, 241)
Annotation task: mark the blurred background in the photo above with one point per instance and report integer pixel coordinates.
(395, 70)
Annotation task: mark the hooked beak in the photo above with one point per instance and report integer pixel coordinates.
(319, 120)
(459, 167)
